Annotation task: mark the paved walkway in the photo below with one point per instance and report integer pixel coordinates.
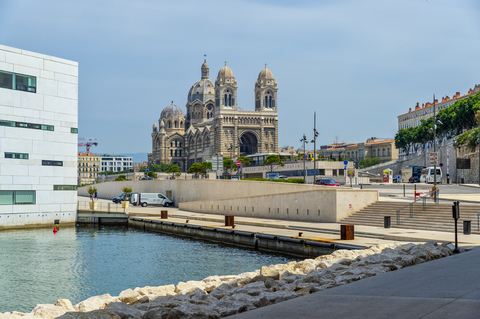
(443, 288)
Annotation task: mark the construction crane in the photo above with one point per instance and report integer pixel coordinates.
(89, 142)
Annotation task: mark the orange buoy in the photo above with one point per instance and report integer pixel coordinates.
(54, 229)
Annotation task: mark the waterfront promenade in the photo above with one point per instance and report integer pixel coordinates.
(324, 232)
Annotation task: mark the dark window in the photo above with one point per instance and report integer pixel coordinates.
(74, 130)
(27, 125)
(16, 155)
(341, 172)
(334, 172)
(322, 172)
(16, 81)
(52, 163)
(64, 187)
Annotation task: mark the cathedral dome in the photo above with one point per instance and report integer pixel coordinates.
(203, 90)
(265, 74)
(171, 111)
(225, 72)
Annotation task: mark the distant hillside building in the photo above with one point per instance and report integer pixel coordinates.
(413, 117)
(373, 147)
(88, 167)
(38, 139)
(115, 163)
(214, 123)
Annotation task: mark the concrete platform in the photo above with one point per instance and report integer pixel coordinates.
(326, 232)
(443, 288)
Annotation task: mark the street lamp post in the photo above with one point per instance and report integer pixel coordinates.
(434, 129)
(314, 141)
(304, 140)
(186, 163)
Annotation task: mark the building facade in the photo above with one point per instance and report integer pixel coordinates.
(413, 117)
(88, 167)
(214, 124)
(38, 139)
(115, 163)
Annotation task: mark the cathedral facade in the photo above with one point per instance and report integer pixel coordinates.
(214, 123)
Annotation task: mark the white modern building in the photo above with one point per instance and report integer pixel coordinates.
(115, 163)
(38, 139)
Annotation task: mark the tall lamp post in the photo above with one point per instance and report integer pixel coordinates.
(304, 140)
(314, 141)
(434, 129)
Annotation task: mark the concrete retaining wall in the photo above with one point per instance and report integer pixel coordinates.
(253, 198)
(264, 242)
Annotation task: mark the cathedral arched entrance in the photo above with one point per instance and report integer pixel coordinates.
(249, 144)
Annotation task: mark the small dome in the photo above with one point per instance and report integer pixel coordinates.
(171, 111)
(162, 124)
(265, 74)
(225, 72)
(154, 127)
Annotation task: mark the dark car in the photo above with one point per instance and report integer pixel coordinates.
(326, 182)
(414, 179)
(146, 178)
(120, 198)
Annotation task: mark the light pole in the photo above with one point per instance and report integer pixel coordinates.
(314, 141)
(434, 129)
(186, 163)
(304, 140)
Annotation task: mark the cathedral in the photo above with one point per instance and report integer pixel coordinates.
(214, 124)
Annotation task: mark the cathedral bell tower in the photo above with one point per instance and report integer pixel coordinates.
(226, 90)
(266, 91)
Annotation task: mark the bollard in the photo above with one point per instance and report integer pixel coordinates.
(386, 221)
(164, 214)
(467, 227)
(347, 232)
(229, 221)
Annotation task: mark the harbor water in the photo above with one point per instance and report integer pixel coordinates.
(38, 266)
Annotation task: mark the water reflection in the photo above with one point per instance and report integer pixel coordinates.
(37, 266)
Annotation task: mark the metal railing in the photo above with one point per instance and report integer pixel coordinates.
(431, 195)
(101, 206)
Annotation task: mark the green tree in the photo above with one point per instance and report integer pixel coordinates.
(272, 162)
(91, 191)
(173, 169)
(121, 178)
(195, 169)
(228, 166)
(244, 160)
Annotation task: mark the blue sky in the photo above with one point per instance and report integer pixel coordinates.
(358, 64)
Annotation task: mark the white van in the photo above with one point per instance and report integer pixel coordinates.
(145, 199)
(428, 175)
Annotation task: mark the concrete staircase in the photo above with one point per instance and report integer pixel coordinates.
(436, 217)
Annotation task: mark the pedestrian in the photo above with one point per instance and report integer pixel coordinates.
(96, 196)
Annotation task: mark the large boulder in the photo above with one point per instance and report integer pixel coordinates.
(65, 303)
(130, 296)
(95, 314)
(252, 289)
(125, 311)
(186, 311)
(230, 307)
(278, 296)
(164, 302)
(152, 292)
(222, 291)
(94, 303)
(268, 272)
(212, 282)
(48, 311)
(185, 287)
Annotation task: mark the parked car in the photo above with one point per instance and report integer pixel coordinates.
(120, 198)
(414, 179)
(146, 178)
(282, 177)
(326, 182)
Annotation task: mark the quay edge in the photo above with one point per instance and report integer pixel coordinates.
(258, 241)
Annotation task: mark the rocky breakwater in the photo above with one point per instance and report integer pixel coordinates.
(221, 296)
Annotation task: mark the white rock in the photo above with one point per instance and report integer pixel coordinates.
(48, 311)
(130, 296)
(228, 307)
(151, 292)
(97, 302)
(164, 302)
(186, 311)
(212, 282)
(65, 303)
(222, 291)
(185, 287)
(252, 289)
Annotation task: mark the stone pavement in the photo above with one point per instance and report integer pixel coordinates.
(443, 288)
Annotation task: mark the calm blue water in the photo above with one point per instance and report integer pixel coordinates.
(37, 266)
